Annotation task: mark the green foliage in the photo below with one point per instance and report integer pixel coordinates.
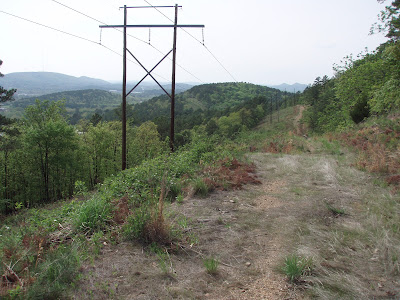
(80, 187)
(56, 274)
(295, 267)
(361, 87)
(5, 95)
(134, 229)
(94, 214)
(211, 265)
(200, 187)
(389, 21)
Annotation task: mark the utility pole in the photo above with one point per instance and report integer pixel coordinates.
(148, 73)
(270, 116)
(124, 97)
(172, 130)
(277, 104)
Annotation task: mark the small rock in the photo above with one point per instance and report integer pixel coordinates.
(231, 201)
(248, 264)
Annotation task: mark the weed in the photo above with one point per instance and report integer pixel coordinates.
(147, 222)
(296, 266)
(136, 223)
(164, 261)
(297, 191)
(97, 242)
(335, 211)
(200, 187)
(211, 265)
(80, 188)
(179, 199)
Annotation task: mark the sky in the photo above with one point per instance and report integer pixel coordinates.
(264, 42)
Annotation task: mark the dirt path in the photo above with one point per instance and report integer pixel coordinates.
(299, 130)
(249, 231)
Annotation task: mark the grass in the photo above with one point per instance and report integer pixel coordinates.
(211, 265)
(294, 267)
(335, 211)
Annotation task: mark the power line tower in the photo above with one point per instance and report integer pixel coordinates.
(125, 50)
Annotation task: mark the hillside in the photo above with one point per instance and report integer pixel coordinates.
(298, 220)
(296, 87)
(207, 99)
(83, 102)
(32, 84)
(41, 83)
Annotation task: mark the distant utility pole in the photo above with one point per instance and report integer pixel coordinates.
(277, 104)
(124, 94)
(270, 116)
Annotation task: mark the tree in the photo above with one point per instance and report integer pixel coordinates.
(49, 144)
(389, 21)
(5, 95)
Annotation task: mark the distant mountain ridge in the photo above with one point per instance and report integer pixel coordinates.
(297, 87)
(31, 84)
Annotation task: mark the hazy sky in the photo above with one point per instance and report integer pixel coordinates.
(258, 41)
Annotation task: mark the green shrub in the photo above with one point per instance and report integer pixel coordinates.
(134, 228)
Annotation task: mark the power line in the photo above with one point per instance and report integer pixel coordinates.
(202, 43)
(147, 43)
(49, 27)
(94, 19)
(75, 36)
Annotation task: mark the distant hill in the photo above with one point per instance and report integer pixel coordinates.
(31, 84)
(41, 83)
(82, 99)
(86, 102)
(204, 98)
(298, 87)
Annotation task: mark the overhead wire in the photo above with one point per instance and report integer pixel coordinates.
(73, 35)
(143, 41)
(49, 27)
(202, 43)
(94, 19)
